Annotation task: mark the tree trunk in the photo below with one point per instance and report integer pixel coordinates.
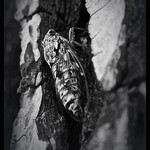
(115, 71)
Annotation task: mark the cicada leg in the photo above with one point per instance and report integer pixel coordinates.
(71, 35)
(74, 30)
(80, 37)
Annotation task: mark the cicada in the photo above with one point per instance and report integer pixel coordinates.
(68, 72)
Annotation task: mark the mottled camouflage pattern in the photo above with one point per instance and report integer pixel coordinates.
(67, 71)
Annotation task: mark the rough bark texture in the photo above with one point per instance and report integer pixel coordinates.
(119, 63)
(117, 37)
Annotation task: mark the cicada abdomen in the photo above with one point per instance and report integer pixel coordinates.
(68, 73)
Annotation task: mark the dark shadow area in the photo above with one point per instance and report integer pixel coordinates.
(11, 69)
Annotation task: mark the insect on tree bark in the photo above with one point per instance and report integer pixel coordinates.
(72, 53)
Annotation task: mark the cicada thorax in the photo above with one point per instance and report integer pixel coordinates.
(68, 74)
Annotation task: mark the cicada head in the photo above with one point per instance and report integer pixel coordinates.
(53, 46)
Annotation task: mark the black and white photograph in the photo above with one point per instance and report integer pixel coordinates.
(74, 74)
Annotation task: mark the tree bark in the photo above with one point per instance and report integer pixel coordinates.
(116, 87)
